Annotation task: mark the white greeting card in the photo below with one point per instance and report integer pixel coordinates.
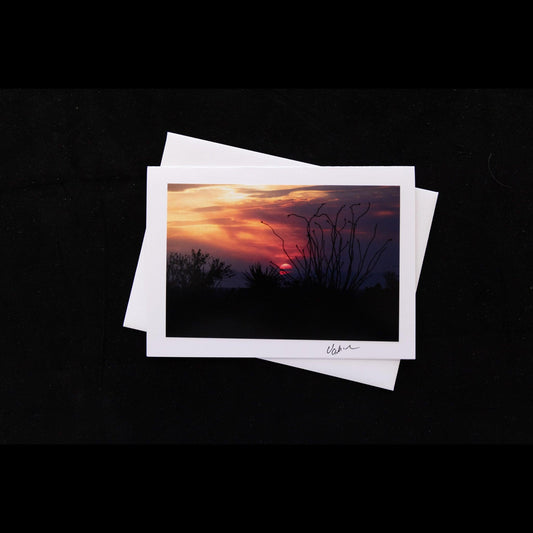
(294, 262)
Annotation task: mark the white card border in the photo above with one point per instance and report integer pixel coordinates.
(158, 345)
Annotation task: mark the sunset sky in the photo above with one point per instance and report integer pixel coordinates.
(225, 220)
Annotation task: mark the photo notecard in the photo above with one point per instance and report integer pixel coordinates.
(282, 262)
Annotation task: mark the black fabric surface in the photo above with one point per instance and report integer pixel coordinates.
(72, 213)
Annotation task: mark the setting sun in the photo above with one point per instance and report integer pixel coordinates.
(285, 268)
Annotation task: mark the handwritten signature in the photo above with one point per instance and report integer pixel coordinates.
(334, 350)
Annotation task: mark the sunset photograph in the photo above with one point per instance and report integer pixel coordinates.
(283, 261)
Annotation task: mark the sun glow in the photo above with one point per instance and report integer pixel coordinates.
(285, 269)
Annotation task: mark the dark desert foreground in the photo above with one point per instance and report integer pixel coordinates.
(289, 313)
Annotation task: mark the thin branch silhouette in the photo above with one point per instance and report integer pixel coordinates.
(333, 255)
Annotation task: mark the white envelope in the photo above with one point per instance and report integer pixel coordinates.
(181, 150)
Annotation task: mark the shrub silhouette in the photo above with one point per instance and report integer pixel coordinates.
(263, 279)
(391, 280)
(196, 270)
(333, 256)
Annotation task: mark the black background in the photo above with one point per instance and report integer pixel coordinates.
(72, 213)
